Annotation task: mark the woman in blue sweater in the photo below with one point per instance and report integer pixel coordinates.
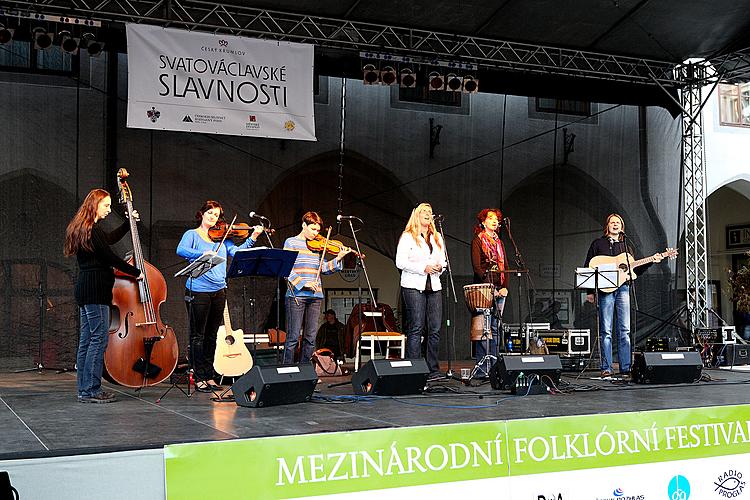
(208, 291)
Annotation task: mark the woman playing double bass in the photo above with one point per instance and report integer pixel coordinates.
(85, 239)
(207, 292)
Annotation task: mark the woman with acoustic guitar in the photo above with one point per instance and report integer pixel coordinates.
(305, 294)
(612, 244)
(208, 291)
(85, 239)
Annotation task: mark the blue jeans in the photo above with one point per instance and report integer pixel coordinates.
(91, 347)
(423, 308)
(617, 301)
(496, 322)
(303, 317)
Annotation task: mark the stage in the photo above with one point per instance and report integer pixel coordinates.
(41, 417)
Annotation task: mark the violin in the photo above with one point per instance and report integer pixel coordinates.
(334, 247)
(238, 231)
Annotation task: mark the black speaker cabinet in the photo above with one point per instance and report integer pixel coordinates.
(391, 377)
(736, 354)
(275, 385)
(504, 373)
(667, 367)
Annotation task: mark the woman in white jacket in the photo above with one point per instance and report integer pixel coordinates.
(421, 258)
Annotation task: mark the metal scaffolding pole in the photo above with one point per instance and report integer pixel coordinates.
(694, 191)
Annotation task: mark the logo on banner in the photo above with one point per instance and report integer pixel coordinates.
(223, 43)
(619, 494)
(153, 114)
(551, 497)
(729, 484)
(678, 488)
(289, 125)
(187, 119)
(252, 123)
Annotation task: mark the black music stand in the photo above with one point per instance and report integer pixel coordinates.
(262, 261)
(605, 274)
(195, 269)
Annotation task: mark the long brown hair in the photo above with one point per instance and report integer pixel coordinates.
(208, 206)
(78, 233)
(622, 224)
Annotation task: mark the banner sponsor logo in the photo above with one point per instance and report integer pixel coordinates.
(729, 484)
(620, 494)
(557, 496)
(218, 82)
(678, 488)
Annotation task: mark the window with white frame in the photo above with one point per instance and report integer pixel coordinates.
(734, 104)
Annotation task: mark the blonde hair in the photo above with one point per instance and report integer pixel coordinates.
(622, 224)
(412, 227)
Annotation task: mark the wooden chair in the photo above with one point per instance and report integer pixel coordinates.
(366, 342)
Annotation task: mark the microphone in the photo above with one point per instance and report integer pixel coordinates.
(255, 214)
(506, 221)
(438, 217)
(340, 217)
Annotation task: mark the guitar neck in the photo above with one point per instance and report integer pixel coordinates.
(645, 260)
(227, 321)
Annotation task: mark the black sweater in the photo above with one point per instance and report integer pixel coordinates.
(96, 276)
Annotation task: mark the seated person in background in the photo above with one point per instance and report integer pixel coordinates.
(552, 316)
(537, 314)
(331, 335)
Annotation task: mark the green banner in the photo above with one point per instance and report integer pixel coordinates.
(321, 464)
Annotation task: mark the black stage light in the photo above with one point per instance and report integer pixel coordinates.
(68, 43)
(42, 39)
(90, 43)
(370, 74)
(470, 85)
(388, 75)
(453, 83)
(6, 35)
(436, 81)
(408, 78)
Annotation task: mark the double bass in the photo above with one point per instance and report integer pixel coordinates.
(142, 350)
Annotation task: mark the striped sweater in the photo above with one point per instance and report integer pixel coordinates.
(306, 268)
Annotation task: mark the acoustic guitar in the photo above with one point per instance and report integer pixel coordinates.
(231, 358)
(621, 262)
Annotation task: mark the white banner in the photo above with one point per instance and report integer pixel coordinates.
(201, 82)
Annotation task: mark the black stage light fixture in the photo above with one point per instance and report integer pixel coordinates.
(388, 75)
(6, 35)
(470, 85)
(408, 78)
(453, 83)
(435, 81)
(68, 43)
(91, 44)
(42, 39)
(370, 74)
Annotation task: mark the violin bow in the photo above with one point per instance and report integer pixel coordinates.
(229, 229)
(323, 254)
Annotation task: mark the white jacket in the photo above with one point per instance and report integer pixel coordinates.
(413, 256)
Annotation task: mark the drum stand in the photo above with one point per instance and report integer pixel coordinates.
(488, 358)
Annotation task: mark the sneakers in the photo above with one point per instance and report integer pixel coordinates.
(435, 376)
(102, 397)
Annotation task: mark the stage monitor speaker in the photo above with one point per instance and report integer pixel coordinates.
(391, 377)
(667, 367)
(275, 385)
(736, 354)
(506, 371)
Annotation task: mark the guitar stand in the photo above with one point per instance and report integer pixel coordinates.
(222, 396)
(487, 359)
(188, 376)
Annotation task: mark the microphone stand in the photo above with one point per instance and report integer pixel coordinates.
(521, 269)
(450, 329)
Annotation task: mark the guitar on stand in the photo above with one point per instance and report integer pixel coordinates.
(232, 358)
(621, 265)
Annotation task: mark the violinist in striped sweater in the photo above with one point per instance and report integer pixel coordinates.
(303, 314)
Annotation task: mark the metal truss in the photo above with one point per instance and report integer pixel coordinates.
(360, 36)
(694, 191)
